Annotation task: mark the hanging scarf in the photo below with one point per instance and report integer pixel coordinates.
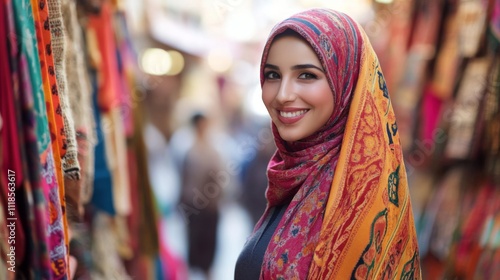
(349, 213)
(11, 164)
(54, 114)
(70, 164)
(80, 101)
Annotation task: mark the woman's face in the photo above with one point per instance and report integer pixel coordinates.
(295, 90)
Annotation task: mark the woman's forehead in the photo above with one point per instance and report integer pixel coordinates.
(291, 50)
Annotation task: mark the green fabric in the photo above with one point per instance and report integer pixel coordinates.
(26, 34)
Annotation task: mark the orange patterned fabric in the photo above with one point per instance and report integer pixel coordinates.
(368, 230)
(41, 15)
(54, 116)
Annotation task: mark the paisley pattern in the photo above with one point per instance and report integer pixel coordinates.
(411, 270)
(340, 179)
(393, 187)
(372, 253)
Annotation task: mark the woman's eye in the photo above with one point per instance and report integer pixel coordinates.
(271, 75)
(307, 76)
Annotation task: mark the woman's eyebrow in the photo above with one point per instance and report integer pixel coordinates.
(295, 67)
(305, 66)
(274, 67)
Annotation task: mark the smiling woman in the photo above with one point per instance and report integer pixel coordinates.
(338, 201)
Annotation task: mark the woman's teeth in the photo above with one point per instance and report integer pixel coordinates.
(292, 114)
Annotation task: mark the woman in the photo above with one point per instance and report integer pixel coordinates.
(338, 201)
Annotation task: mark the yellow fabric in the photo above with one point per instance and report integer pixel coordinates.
(116, 155)
(369, 167)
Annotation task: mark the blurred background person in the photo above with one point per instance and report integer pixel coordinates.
(200, 196)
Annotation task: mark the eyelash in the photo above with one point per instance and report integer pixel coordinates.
(269, 73)
(306, 75)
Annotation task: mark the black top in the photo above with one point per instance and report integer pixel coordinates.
(251, 257)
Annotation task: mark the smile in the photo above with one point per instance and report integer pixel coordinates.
(292, 114)
(289, 118)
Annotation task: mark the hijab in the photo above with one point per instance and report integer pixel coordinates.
(348, 207)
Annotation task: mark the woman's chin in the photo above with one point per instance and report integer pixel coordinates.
(290, 136)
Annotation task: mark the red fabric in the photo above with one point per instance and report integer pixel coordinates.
(431, 110)
(11, 161)
(495, 19)
(468, 248)
(12, 156)
(101, 24)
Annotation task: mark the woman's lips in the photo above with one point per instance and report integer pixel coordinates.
(290, 117)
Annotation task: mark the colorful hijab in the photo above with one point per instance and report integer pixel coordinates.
(349, 212)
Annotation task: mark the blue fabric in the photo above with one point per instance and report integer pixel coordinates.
(160, 270)
(102, 197)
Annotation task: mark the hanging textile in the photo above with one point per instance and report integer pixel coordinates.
(102, 196)
(54, 114)
(80, 101)
(464, 115)
(10, 165)
(488, 266)
(495, 19)
(412, 79)
(472, 24)
(70, 163)
(468, 248)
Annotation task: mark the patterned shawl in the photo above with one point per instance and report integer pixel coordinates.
(349, 214)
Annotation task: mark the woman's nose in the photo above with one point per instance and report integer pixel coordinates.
(286, 91)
